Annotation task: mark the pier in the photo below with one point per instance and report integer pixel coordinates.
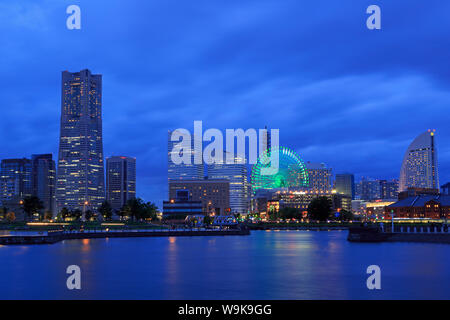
(418, 233)
(49, 237)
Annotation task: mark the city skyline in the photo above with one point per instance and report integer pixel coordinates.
(344, 107)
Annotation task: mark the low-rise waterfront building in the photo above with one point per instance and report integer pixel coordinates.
(420, 206)
(213, 194)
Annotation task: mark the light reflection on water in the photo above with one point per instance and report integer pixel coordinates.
(265, 265)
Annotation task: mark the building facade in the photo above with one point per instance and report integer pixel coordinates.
(15, 181)
(319, 177)
(182, 171)
(120, 180)
(236, 174)
(80, 174)
(345, 184)
(43, 180)
(422, 206)
(388, 189)
(213, 194)
(420, 166)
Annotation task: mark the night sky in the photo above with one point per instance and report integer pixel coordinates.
(338, 92)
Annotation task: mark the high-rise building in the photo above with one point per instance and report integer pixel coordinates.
(266, 140)
(182, 171)
(345, 184)
(236, 173)
(43, 180)
(120, 180)
(80, 175)
(388, 189)
(319, 177)
(368, 189)
(213, 194)
(15, 181)
(420, 166)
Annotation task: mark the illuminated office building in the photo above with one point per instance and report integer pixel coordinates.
(15, 181)
(236, 173)
(182, 171)
(345, 184)
(120, 181)
(43, 180)
(420, 166)
(80, 174)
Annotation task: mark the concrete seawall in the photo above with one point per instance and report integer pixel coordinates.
(54, 237)
(374, 235)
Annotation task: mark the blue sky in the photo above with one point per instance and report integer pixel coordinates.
(338, 92)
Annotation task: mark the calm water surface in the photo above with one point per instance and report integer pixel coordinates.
(265, 265)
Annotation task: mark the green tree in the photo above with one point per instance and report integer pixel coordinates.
(105, 210)
(64, 213)
(150, 210)
(32, 205)
(320, 209)
(88, 215)
(290, 213)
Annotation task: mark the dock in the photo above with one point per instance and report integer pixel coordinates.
(423, 234)
(57, 236)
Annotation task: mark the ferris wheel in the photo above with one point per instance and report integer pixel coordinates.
(291, 171)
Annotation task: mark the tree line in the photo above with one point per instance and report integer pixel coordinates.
(135, 209)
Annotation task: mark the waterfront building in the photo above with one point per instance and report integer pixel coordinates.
(213, 194)
(80, 174)
(181, 206)
(376, 209)
(236, 173)
(420, 166)
(15, 182)
(120, 180)
(359, 207)
(301, 200)
(319, 177)
(43, 180)
(421, 206)
(345, 184)
(183, 171)
(413, 192)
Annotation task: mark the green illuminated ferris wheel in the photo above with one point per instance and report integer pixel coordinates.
(291, 171)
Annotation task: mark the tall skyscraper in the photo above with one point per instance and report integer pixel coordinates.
(420, 166)
(368, 189)
(182, 171)
(15, 181)
(80, 175)
(43, 180)
(345, 184)
(389, 189)
(319, 177)
(120, 180)
(236, 174)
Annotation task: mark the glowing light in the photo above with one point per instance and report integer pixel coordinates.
(292, 171)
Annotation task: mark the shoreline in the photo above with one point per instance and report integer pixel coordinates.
(54, 237)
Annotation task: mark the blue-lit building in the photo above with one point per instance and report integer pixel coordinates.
(80, 174)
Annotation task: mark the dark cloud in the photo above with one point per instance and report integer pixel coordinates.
(339, 93)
